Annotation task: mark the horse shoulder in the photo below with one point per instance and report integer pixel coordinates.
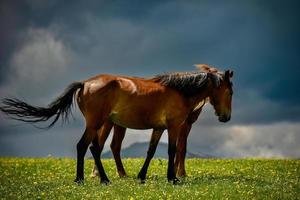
(176, 107)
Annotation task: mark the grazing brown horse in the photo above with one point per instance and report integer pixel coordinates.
(162, 102)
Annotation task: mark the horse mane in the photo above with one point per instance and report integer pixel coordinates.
(188, 83)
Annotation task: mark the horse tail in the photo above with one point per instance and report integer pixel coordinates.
(60, 107)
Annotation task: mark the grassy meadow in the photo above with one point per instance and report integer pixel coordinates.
(52, 178)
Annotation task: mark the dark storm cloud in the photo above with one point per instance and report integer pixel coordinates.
(254, 38)
(45, 45)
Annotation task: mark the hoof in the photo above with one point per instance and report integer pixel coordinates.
(79, 181)
(105, 182)
(123, 175)
(175, 181)
(142, 180)
(141, 177)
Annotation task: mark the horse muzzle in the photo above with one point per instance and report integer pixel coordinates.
(224, 118)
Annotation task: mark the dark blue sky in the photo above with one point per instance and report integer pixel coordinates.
(45, 45)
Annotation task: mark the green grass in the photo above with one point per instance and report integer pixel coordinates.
(51, 178)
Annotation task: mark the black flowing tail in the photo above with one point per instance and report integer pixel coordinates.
(22, 111)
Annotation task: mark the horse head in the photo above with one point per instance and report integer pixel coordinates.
(221, 95)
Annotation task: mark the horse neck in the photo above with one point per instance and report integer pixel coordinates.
(196, 99)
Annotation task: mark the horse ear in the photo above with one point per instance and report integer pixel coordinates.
(206, 68)
(228, 74)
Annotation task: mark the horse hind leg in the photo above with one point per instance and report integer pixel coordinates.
(96, 150)
(119, 133)
(102, 135)
(156, 135)
(82, 146)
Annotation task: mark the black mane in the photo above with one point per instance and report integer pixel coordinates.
(188, 83)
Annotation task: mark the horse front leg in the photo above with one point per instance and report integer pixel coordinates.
(173, 133)
(82, 146)
(155, 137)
(182, 142)
(181, 150)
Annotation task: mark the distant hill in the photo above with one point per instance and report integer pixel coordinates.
(139, 150)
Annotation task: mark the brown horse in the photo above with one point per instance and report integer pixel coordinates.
(119, 134)
(162, 102)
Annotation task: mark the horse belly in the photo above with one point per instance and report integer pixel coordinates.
(139, 120)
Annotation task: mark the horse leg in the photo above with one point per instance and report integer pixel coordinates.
(155, 137)
(119, 133)
(181, 150)
(95, 171)
(82, 146)
(102, 135)
(173, 133)
(182, 142)
(96, 150)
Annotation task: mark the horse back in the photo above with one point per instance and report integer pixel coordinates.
(131, 102)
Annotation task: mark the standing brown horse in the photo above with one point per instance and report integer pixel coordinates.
(162, 102)
(119, 134)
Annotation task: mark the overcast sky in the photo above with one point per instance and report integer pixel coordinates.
(45, 45)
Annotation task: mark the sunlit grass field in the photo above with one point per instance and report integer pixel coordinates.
(52, 178)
